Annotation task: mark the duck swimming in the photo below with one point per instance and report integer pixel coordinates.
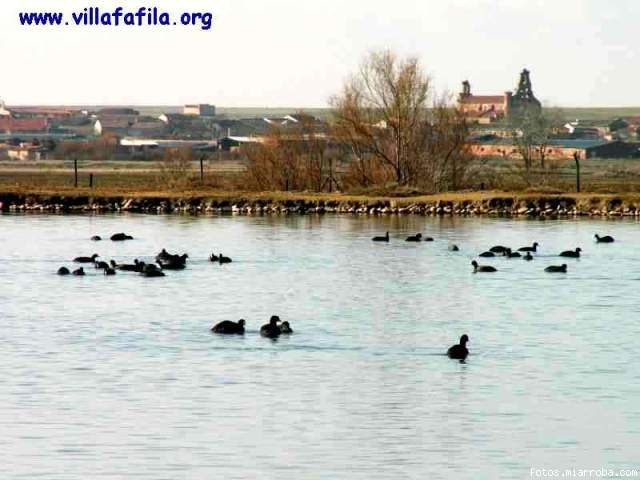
(271, 329)
(460, 351)
(64, 271)
(482, 269)
(428, 239)
(223, 260)
(510, 254)
(381, 239)
(286, 329)
(415, 238)
(528, 257)
(109, 271)
(454, 248)
(487, 255)
(533, 248)
(229, 328)
(556, 269)
(102, 265)
(571, 253)
(96, 238)
(137, 266)
(120, 237)
(213, 258)
(79, 272)
(90, 259)
(606, 239)
(499, 249)
(152, 271)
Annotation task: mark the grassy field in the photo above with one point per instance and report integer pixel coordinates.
(129, 178)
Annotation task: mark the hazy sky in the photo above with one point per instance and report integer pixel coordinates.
(298, 52)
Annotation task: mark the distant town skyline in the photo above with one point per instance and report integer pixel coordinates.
(288, 53)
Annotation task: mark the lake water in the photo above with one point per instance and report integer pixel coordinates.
(120, 378)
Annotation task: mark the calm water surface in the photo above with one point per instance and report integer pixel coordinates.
(119, 377)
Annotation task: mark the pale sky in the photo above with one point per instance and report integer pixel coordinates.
(297, 53)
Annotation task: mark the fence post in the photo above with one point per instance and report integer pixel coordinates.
(576, 157)
(75, 172)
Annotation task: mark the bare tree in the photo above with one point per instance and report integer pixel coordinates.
(383, 117)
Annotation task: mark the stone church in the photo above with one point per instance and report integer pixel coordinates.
(486, 109)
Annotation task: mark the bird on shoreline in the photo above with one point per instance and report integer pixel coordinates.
(459, 351)
(482, 269)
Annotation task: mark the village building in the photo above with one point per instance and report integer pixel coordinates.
(10, 125)
(201, 110)
(487, 109)
(555, 149)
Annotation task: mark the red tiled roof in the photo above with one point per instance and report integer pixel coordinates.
(483, 99)
(8, 124)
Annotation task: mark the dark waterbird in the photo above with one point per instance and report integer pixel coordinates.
(381, 239)
(532, 249)
(460, 351)
(556, 269)
(511, 254)
(90, 259)
(482, 269)
(223, 260)
(454, 248)
(152, 271)
(606, 239)
(102, 265)
(572, 253)
(79, 272)
(121, 237)
(96, 238)
(109, 272)
(428, 239)
(415, 238)
(286, 329)
(487, 255)
(528, 257)
(214, 258)
(137, 266)
(64, 271)
(271, 329)
(499, 249)
(229, 328)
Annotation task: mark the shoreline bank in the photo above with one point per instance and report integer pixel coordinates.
(463, 203)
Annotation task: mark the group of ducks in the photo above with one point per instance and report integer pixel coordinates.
(526, 254)
(163, 261)
(273, 329)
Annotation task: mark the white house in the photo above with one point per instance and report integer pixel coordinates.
(3, 109)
